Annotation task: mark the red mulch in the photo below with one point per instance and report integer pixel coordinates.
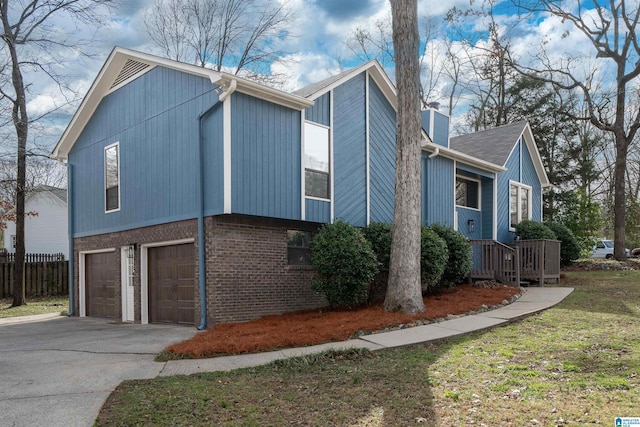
(324, 325)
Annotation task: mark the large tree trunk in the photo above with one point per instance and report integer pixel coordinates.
(21, 124)
(404, 290)
(619, 197)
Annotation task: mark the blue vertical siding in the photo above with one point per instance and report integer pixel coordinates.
(349, 148)
(486, 202)
(440, 129)
(317, 210)
(382, 155)
(438, 185)
(320, 111)
(464, 215)
(530, 177)
(265, 158)
(426, 121)
(512, 173)
(154, 118)
(213, 161)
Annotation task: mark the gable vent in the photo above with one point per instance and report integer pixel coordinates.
(130, 69)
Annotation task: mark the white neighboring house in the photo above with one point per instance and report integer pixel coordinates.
(47, 232)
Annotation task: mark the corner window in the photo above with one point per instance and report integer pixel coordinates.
(112, 177)
(298, 247)
(316, 161)
(519, 203)
(467, 193)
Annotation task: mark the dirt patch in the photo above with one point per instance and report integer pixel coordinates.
(321, 326)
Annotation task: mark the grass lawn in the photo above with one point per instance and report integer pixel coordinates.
(35, 305)
(574, 364)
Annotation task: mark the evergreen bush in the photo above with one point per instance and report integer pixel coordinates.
(569, 246)
(379, 235)
(532, 230)
(433, 258)
(460, 257)
(344, 263)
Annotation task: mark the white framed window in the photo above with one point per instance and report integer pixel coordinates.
(316, 161)
(112, 177)
(519, 203)
(467, 192)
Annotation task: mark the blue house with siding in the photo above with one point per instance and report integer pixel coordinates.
(194, 194)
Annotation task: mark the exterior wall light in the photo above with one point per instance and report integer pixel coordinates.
(471, 225)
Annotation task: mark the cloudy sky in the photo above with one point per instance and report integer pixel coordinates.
(315, 50)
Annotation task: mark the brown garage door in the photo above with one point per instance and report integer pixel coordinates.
(100, 284)
(172, 284)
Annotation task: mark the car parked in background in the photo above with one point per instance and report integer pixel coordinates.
(635, 253)
(604, 249)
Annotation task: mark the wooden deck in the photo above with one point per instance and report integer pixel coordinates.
(526, 260)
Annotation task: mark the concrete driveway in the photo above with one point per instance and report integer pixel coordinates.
(60, 371)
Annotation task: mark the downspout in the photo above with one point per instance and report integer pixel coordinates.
(202, 282)
(435, 153)
(72, 288)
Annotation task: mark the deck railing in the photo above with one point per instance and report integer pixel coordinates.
(539, 260)
(535, 260)
(495, 261)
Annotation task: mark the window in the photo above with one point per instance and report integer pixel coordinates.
(298, 247)
(112, 177)
(467, 193)
(519, 203)
(316, 161)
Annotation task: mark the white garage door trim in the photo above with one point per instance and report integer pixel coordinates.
(144, 274)
(81, 273)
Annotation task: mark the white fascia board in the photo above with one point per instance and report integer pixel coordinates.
(375, 71)
(464, 158)
(101, 86)
(535, 156)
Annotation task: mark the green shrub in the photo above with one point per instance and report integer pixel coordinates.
(379, 235)
(433, 258)
(569, 246)
(344, 263)
(531, 230)
(460, 257)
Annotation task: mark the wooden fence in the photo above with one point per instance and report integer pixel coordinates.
(11, 257)
(40, 278)
(539, 260)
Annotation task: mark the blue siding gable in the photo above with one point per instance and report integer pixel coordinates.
(154, 118)
(438, 183)
(349, 148)
(382, 155)
(320, 111)
(265, 158)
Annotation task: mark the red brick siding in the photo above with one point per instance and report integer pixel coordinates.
(247, 271)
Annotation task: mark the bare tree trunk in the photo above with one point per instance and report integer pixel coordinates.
(21, 124)
(619, 198)
(404, 290)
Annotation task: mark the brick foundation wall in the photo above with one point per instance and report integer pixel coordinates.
(247, 272)
(248, 275)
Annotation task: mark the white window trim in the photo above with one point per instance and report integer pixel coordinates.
(519, 186)
(115, 144)
(466, 178)
(304, 169)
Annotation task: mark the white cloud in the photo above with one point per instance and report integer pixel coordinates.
(305, 68)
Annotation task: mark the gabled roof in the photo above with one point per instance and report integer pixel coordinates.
(125, 65)
(60, 193)
(496, 145)
(374, 69)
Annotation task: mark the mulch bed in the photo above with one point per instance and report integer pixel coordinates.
(320, 326)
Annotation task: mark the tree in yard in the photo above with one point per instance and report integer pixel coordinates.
(404, 288)
(218, 34)
(612, 31)
(28, 38)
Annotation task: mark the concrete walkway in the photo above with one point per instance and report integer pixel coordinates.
(59, 371)
(532, 301)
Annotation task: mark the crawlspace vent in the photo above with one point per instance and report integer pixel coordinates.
(130, 69)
